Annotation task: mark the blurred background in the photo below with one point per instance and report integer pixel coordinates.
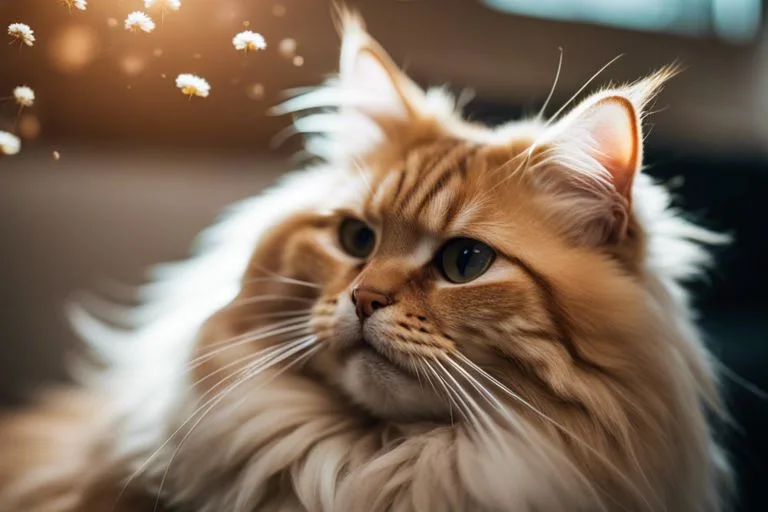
(119, 170)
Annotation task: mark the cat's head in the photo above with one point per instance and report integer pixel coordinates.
(452, 259)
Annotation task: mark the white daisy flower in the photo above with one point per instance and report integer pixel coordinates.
(249, 41)
(193, 85)
(137, 21)
(9, 143)
(24, 96)
(22, 33)
(77, 4)
(165, 5)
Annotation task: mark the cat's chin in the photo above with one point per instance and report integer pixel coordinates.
(387, 390)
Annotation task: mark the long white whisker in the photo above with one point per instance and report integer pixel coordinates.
(424, 365)
(280, 279)
(284, 278)
(586, 84)
(359, 170)
(554, 85)
(490, 397)
(450, 395)
(286, 327)
(267, 298)
(249, 374)
(470, 403)
(286, 347)
(556, 424)
(265, 352)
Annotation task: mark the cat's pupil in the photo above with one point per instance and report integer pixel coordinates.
(356, 238)
(463, 259)
(363, 238)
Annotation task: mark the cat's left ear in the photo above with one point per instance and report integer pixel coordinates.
(598, 151)
(607, 131)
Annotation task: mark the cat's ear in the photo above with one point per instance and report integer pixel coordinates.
(605, 134)
(369, 75)
(370, 103)
(597, 150)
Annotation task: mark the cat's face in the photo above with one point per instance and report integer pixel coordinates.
(427, 264)
(455, 258)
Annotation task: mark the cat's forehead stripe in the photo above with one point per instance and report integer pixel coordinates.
(452, 164)
(431, 173)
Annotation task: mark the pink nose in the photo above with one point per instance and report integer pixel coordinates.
(368, 300)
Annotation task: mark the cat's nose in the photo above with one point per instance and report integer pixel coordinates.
(367, 300)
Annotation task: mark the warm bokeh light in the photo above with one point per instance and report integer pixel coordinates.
(132, 65)
(256, 91)
(287, 47)
(29, 127)
(73, 47)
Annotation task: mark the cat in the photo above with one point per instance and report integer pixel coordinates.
(439, 316)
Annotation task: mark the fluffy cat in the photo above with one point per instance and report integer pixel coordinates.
(440, 316)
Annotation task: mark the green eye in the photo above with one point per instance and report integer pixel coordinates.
(356, 238)
(463, 260)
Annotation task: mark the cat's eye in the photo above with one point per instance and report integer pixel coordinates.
(356, 238)
(463, 259)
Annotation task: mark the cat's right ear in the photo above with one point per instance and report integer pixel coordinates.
(374, 84)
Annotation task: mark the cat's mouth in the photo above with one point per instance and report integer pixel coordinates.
(373, 350)
(385, 383)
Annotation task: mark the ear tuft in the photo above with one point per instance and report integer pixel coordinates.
(642, 92)
(606, 130)
(370, 103)
(595, 151)
(368, 72)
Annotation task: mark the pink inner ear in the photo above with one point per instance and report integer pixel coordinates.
(370, 77)
(612, 124)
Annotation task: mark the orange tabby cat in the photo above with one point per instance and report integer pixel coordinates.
(441, 316)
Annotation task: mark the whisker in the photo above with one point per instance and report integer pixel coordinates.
(284, 327)
(554, 85)
(267, 298)
(358, 168)
(576, 94)
(560, 427)
(422, 363)
(490, 397)
(249, 375)
(525, 158)
(741, 381)
(266, 352)
(286, 348)
(448, 393)
(469, 403)
(283, 278)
